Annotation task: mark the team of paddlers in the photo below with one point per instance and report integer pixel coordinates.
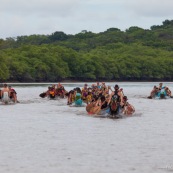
(160, 92)
(99, 99)
(8, 94)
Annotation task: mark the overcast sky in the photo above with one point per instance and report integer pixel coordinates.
(27, 17)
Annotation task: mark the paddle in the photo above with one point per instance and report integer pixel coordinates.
(42, 95)
(149, 97)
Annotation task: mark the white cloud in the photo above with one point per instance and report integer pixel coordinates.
(150, 8)
(39, 7)
(26, 17)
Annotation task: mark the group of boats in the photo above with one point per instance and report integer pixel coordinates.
(101, 100)
(98, 99)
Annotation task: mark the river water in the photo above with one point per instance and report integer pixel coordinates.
(46, 136)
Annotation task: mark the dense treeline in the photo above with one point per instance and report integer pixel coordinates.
(134, 54)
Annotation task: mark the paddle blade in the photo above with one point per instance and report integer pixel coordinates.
(42, 95)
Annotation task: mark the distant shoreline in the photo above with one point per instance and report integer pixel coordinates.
(86, 81)
(71, 81)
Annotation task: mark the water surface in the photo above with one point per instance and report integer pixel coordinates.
(47, 136)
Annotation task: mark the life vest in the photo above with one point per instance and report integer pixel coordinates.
(73, 98)
(78, 96)
(116, 96)
(78, 100)
(89, 98)
(84, 93)
(161, 93)
(115, 100)
(52, 93)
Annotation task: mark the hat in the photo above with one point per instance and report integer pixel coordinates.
(116, 86)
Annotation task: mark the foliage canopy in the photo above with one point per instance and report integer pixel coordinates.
(134, 54)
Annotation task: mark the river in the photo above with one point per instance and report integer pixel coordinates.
(47, 136)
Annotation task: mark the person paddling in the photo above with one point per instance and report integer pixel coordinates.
(13, 94)
(5, 89)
